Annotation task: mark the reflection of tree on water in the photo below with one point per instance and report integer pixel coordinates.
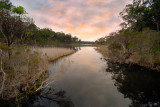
(59, 98)
(51, 99)
(138, 84)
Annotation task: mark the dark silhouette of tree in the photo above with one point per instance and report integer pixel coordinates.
(138, 84)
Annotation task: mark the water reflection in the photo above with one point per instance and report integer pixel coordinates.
(50, 99)
(138, 84)
(82, 81)
(82, 76)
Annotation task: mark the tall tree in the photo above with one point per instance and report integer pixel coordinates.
(141, 14)
(11, 21)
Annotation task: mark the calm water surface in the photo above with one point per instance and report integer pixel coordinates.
(84, 79)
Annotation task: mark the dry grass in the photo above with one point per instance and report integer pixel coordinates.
(103, 50)
(55, 53)
(22, 69)
(146, 60)
(26, 65)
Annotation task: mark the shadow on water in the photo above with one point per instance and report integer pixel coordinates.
(136, 83)
(50, 99)
(86, 80)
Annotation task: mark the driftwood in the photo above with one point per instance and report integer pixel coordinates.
(44, 84)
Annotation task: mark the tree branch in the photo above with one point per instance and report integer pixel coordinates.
(4, 76)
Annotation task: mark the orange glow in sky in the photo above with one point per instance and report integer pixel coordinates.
(86, 19)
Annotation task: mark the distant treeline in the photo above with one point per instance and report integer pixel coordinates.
(87, 42)
(17, 28)
(22, 68)
(139, 39)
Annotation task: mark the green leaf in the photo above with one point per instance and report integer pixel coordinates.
(19, 10)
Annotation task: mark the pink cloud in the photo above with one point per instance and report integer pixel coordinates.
(87, 19)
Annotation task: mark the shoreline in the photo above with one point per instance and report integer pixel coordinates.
(23, 96)
(104, 51)
(61, 56)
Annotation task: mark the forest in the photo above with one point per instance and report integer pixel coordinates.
(138, 40)
(17, 28)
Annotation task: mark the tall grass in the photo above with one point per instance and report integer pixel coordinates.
(55, 53)
(25, 66)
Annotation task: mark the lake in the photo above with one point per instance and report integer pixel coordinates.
(85, 79)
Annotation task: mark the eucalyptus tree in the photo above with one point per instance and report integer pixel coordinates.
(12, 22)
(141, 14)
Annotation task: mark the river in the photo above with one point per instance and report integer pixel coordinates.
(85, 79)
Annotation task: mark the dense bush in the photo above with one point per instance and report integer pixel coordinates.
(23, 67)
(138, 47)
(139, 39)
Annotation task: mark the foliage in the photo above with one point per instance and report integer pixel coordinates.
(141, 14)
(18, 10)
(5, 5)
(47, 36)
(12, 22)
(3, 47)
(23, 68)
(139, 39)
(142, 47)
(106, 39)
(22, 65)
(17, 28)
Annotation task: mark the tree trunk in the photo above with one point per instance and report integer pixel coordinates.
(4, 77)
(3, 35)
(9, 54)
(157, 26)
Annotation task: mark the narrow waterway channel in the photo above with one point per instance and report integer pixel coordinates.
(85, 79)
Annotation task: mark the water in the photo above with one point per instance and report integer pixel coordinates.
(84, 79)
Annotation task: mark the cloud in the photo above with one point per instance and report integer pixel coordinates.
(87, 19)
(96, 3)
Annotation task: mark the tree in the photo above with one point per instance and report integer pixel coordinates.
(19, 10)
(68, 38)
(133, 16)
(141, 14)
(156, 13)
(11, 21)
(75, 39)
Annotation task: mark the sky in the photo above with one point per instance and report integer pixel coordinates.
(86, 19)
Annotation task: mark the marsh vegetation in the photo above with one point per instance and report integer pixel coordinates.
(23, 65)
(42, 67)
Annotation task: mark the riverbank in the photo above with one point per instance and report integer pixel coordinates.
(133, 59)
(83, 81)
(26, 71)
(56, 53)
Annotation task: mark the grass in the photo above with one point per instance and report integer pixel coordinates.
(55, 53)
(149, 61)
(25, 67)
(103, 49)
